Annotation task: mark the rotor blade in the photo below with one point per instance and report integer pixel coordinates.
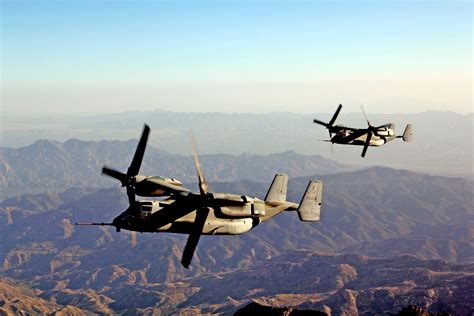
(366, 117)
(138, 157)
(320, 122)
(114, 174)
(203, 187)
(189, 249)
(130, 195)
(133, 239)
(334, 117)
(367, 144)
(193, 239)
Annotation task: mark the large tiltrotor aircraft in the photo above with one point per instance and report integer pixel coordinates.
(204, 212)
(370, 136)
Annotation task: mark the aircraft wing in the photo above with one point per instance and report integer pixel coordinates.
(339, 128)
(356, 133)
(158, 187)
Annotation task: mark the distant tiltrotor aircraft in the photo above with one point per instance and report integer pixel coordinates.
(203, 213)
(371, 136)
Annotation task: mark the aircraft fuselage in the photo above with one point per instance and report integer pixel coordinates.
(343, 136)
(231, 216)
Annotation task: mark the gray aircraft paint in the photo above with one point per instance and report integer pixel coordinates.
(371, 136)
(202, 213)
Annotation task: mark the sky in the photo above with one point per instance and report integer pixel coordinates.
(89, 57)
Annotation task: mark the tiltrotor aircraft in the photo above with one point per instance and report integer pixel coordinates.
(371, 136)
(203, 213)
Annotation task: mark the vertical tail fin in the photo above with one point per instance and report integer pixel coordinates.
(391, 129)
(310, 206)
(408, 133)
(278, 188)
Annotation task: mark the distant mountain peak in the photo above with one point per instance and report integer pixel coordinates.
(58, 166)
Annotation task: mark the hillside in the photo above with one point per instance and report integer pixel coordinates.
(283, 262)
(18, 299)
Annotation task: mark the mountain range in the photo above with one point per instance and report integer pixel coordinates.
(48, 165)
(442, 143)
(387, 239)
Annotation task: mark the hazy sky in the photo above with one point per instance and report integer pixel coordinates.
(235, 56)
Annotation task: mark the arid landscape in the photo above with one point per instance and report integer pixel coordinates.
(264, 157)
(387, 239)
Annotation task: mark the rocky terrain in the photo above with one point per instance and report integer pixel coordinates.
(47, 165)
(387, 239)
(255, 308)
(333, 284)
(16, 299)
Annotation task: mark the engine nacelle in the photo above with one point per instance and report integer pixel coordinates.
(237, 211)
(248, 209)
(231, 227)
(378, 142)
(139, 178)
(173, 181)
(386, 130)
(228, 197)
(156, 185)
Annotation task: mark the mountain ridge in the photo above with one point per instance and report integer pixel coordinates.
(387, 238)
(236, 133)
(55, 165)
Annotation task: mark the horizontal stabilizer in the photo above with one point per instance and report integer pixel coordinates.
(310, 206)
(277, 191)
(408, 133)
